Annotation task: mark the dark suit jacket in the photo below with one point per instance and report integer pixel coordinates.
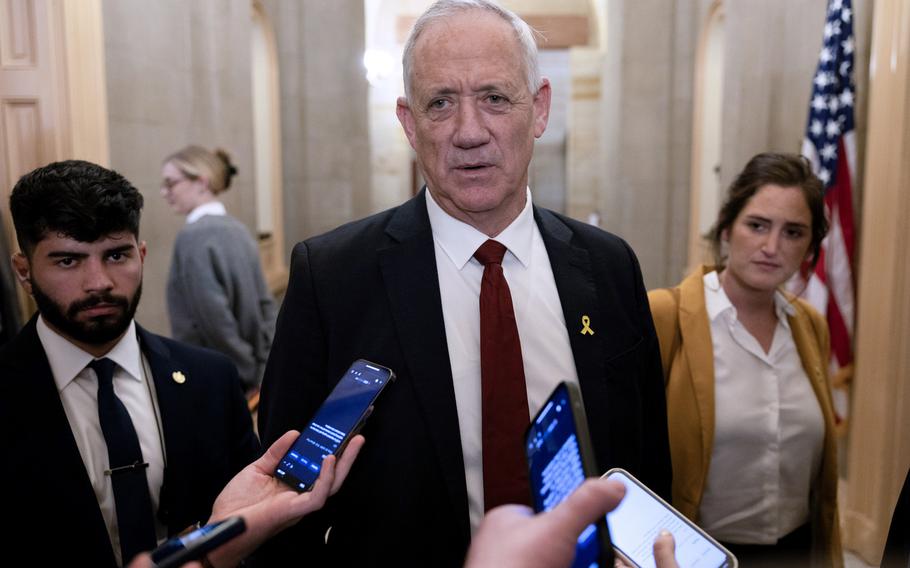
(208, 438)
(370, 289)
(897, 549)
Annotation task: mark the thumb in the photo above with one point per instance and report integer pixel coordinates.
(590, 502)
(665, 550)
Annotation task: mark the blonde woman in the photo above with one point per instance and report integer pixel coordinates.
(216, 293)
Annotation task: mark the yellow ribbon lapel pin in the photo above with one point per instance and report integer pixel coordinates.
(586, 326)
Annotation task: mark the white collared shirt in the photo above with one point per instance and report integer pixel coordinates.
(769, 430)
(210, 208)
(545, 348)
(78, 388)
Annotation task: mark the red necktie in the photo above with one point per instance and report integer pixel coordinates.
(504, 400)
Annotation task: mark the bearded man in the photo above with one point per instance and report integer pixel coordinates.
(114, 438)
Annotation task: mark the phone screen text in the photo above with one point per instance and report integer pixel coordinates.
(334, 421)
(556, 468)
(639, 518)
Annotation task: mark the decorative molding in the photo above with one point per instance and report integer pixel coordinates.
(700, 251)
(21, 128)
(878, 453)
(18, 44)
(86, 81)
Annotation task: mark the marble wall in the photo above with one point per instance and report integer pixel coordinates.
(177, 73)
(770, 53)
(325, 135)
(181, 73)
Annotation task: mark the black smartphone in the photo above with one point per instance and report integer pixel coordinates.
(560, 458)
(193, 546)
(642, 514)
(338, 420)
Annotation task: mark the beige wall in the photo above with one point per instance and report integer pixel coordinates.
(181, 73)
(177, 73)
(325, 135)
(646, 121)
(770, 54)
(879, 451)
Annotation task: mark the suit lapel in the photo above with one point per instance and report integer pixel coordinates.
(68, 478)
(412, 284)
(574, 278)
(806, 339)
(176, 412)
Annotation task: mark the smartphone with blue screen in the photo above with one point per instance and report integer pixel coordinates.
(337, 421)
(640, 517)
(560, 458)
(193, 546)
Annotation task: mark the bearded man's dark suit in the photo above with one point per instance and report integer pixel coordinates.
(206, 428)
(370, 289)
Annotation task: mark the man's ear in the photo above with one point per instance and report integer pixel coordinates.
(142, 251)
(406, 118)
(23, 271)
(542, 108)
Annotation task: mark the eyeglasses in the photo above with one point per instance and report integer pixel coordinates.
(170, 184)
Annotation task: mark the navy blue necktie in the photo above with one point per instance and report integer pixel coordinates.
(135, 518)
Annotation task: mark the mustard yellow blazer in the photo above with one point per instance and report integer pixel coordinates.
(686, 352)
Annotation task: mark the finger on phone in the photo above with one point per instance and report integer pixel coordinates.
(343, 467)
(665, 550)
(269, 460)
(592, 500)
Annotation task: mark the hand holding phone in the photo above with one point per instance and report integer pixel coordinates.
(642, 514)
(560, 458)
(193, 546)
(337, 421)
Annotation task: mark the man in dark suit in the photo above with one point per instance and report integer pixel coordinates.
(82, 385)
(402, 288)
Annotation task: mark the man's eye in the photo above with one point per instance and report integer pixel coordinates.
(439, 104)
(66, 262)
(496, 99)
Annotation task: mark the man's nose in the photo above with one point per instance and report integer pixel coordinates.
(470, 129)
(96, 277)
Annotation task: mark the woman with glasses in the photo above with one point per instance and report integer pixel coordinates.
(216, 293)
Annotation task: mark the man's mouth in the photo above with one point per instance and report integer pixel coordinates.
(100, 309)
(472, 167)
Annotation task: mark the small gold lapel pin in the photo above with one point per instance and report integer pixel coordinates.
(178, 377)
(586, 326)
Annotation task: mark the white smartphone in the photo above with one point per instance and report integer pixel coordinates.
(640, 517)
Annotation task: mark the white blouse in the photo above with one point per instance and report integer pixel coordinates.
(768, 432)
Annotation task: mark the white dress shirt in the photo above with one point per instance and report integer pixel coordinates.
(545, 348)
(210, 208)
(78, 388)
(768, 432)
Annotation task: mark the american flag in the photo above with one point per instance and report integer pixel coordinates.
(830, 144)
